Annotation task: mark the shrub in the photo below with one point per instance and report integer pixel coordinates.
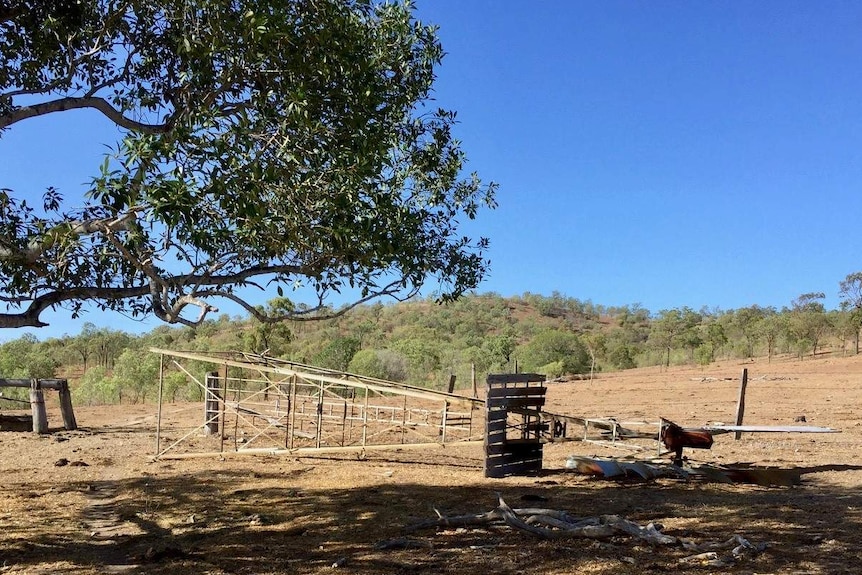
(553, 369)
(95, 388)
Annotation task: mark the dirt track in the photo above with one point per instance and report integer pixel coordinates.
(111, 509)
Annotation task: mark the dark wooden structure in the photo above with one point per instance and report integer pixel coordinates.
(513, 424)
(37, 401)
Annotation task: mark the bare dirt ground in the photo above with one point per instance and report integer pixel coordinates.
(92, 501)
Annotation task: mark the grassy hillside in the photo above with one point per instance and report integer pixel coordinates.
(424, 343)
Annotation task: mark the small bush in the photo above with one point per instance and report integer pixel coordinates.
(553, 369)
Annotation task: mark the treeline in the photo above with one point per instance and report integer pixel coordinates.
(423, 343)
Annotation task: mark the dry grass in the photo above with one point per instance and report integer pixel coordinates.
(122, 513)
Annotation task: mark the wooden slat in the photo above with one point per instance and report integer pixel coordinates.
(525, 445)
(515, 378)
(516, 402)
(509, 398)
(508, 461)
(526, 402)
(496, 449)
(498, 425)
(516, 451)
(516, 391)
(497, 438)
(521, 468)
(498, 471)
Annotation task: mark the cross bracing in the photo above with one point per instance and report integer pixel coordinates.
(259, 404)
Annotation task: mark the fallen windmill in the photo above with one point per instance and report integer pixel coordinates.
(255, 404)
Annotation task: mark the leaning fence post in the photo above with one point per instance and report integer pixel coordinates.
(740, 404)
(66, 411)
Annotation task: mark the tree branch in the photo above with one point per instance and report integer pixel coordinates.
(39, 244)
(300, 315)
(157, 290)
(160, 288)
(30, 317)
(100, 104)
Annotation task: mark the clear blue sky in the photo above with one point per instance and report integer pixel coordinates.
(662, 153)
(667, 153)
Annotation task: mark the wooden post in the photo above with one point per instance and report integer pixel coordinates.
(37, 406)
(403, 419)
(343, 424)
(222, 417)
(451, 383)
(740, 404)
(473, 380)
(443, 422)
(159, 412)
(211, 404)
(66, 406)
(292, 408)
(365, 419)
(319, 415)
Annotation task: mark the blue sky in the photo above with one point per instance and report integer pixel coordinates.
(666, 153)
(662, 153)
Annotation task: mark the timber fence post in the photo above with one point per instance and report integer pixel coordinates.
(740, 404)
(69, 422)
(37, 406)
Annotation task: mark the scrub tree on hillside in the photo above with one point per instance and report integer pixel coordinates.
(851, 302)
(674, 328)
(262, 144)
(808, 322)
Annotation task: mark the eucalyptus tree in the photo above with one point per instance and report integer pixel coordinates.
(746, 321)
(596, 343)
(844, 326)
(771, 327)
(673, 328)
(262, 144)
(713, 337)
(851, 303)
(807, 321)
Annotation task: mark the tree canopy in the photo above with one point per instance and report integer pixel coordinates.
(263, 143)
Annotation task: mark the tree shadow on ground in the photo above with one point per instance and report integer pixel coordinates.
(243, 521)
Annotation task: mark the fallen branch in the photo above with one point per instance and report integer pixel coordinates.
(554, 524)
(512, 520)
(493, 516)
(650, 533)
